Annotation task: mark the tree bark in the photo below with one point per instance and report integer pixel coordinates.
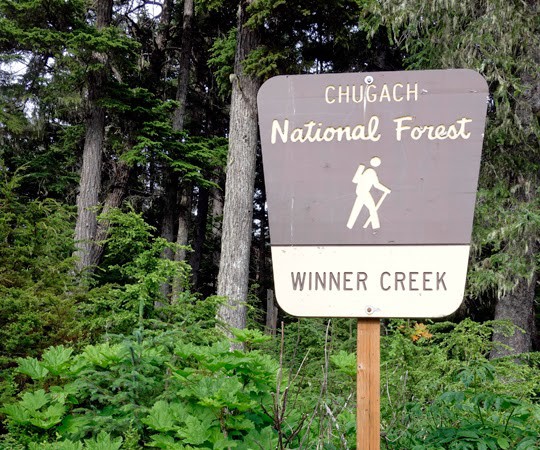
(173, 192)
(178, 124)
(158, 55)
(170, 184)
(184, 215)
(184, 210)
(170, 179)
(199, 235)
(233, 275)
(184, 65)
(519, 308)
(217, 227)
(113, 200)
(90, 182)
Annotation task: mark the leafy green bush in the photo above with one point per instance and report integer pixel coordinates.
(160, 389)
(442, 392)
(127, 286)
(172, 383)
(37, 290)
(171, 393)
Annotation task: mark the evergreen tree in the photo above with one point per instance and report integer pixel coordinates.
(501, 40)
(90, 184)
(39, 95)
(233, 278)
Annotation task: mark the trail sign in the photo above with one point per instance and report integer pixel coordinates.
(371, 183)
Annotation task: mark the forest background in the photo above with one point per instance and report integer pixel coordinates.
(136, 306)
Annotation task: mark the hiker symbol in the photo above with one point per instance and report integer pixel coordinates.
(365, 180)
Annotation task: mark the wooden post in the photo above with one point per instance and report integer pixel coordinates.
(368, 415)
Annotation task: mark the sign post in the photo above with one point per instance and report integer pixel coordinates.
(368, 401)
(371, 183)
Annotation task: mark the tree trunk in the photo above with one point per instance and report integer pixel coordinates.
(233, 275)
(217, 227)
(178, 125)
(519, 308)
(184, 65)
(90, 182)
(113, 200)
(170, 185)
(170, 179)
(199, 235)
(184, 211)
(184, 215)
(158, 56)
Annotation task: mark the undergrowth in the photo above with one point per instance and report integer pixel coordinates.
(112, 365)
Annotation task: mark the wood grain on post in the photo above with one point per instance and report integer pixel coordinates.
(368, 416)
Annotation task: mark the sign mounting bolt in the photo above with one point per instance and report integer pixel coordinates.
(368, 79)
(370, 310)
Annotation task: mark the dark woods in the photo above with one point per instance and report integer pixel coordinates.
(134, 241)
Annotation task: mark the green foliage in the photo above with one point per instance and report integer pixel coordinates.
(313, 36)
(345, 362)
(193, 158)
(50, 169)
(160, 389)
(56, 359)
(174, 393)
(133, 271)
(201, 159)
(507, 218)
(314, 398)
(12, 119)
(443, 393)
(38, 408)
(61, 445)
(36, 287)
(102, 441)
(249, 337)
(499, 39)
(34, 236)
(112, 364)
(223, 392)
(264, 63)
(222, 61)
(473, 419)
(296, 37)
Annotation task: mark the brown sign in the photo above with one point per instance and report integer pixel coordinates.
(321, 135)
(371, 183)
